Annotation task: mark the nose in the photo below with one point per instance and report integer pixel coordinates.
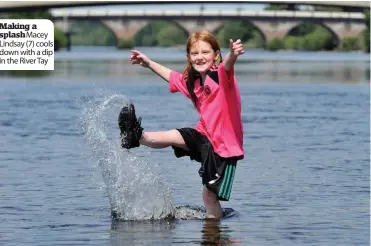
(199, 57)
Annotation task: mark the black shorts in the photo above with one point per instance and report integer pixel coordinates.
(217, 172)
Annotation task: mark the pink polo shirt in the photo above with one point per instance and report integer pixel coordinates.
(219, 106)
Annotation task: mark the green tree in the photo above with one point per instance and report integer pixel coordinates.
(275, 44)
(94, 33)
(236, 30)
(292, 43)
(170, 36)
(303, 29)
(147, 36)
(367, 31)
(350, 43)
(42, 14)
(60, 39)
(309, 36)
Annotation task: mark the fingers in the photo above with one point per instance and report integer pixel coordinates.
(135, 51)
(236, 47)
(238, 41)
(134, 54)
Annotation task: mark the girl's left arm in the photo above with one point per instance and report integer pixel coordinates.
(236, 49)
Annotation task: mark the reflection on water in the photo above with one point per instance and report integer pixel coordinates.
(161, 232)
(213, 233)
(156, 232)
(25, 73)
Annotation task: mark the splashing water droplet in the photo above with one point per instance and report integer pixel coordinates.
(134, 191)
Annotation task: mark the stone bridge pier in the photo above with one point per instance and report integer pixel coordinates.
(125, 29)
(191, 26)
(345, 29)
(274, 29)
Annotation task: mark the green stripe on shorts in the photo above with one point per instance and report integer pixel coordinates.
(226, 188)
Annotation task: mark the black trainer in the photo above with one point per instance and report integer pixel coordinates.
(130, 127)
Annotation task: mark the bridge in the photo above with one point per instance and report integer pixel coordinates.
(26, 5)
(271, 24)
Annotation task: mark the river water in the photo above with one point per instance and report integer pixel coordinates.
(304, 181)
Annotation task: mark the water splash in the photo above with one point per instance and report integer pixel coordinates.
(134, 191)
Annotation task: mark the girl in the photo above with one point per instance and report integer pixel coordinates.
(217, 139)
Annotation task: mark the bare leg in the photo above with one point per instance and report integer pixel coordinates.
(212, 204)
(159, 140)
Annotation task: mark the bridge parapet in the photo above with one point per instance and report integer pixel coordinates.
(145, 14)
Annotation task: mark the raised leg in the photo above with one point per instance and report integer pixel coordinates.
(163, 139)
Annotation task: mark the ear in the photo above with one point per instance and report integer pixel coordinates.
(217, 56)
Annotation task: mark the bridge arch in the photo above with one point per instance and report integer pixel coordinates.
(250, 34)
(161, 33)
(313, 35)
(85, 28)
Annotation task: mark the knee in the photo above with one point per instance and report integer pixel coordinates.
(176, 139)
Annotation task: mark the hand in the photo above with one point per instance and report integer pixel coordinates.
(139, 58)
(236, 47)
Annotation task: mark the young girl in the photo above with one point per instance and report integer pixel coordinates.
(217, 139)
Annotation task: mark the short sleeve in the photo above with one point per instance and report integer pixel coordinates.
(226, 77)
(178, 84)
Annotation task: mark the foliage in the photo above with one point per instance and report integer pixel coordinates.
(91, 33)
(125, 43)
(275, 44)
(303, 29)
(367, 31)
(147, 36)
(309, 36)
(257, 41)
(292, 43)
(60, 39)
(172, 35)
(42, 14)
(350, 43)
(238, 30)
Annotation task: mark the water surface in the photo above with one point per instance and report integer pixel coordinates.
(304, 181)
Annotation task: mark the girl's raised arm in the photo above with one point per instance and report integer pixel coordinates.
(141, 59)
(236, 49)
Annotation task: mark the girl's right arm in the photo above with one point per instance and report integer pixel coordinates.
(141, 59)
(160, 70)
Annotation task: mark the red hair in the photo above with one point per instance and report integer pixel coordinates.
(189, 72)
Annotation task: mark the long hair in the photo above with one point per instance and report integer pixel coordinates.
(189, 71)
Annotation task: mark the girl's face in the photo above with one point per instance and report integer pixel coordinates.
(202, 56)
